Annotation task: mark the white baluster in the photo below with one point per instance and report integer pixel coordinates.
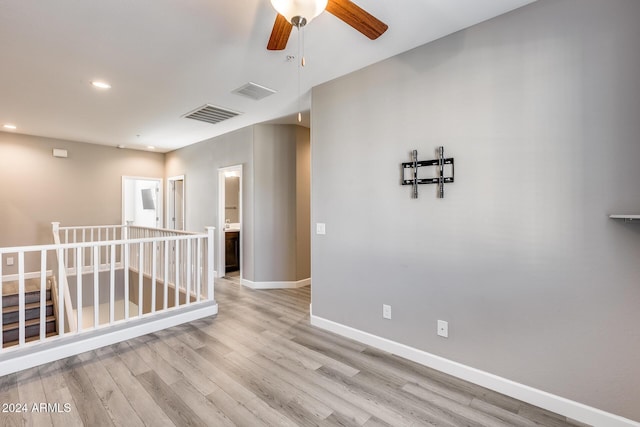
(177, 267)
(210, 231)
(126, 281)
(61, 281)
(188, 272)
(123, 236)
(140, 278)
(106, 248)
(100, 251)
(147, 259)
(93, 253)
(166, 275)
(66, 251)
(199, 270)
(74, 259)
(21, 317)
(112, 286)
(96, 288)
(84, 250)
(153, 276)
(79, 289)
(43, 294)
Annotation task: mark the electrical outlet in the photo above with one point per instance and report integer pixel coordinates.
(386, 311)
(320, 228)
(443, 329)
(10, 260)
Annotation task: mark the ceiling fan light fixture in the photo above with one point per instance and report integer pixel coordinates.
(299, 12)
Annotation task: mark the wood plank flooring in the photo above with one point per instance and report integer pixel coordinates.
(258, 363)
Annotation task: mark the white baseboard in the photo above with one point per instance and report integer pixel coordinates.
(568, 408)
(36, 353)
(276, 285)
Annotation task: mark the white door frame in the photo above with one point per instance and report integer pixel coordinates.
(160, 210)
(221, 217)
(169, 199)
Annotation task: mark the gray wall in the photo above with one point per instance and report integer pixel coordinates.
(104, 288)
(280, 202)
(83, 189)
(275, 161)
(199, 163)
(540, 109)
(303, 203)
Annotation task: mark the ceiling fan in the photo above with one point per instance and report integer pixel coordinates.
(298, 13)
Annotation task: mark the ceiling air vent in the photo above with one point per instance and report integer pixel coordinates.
(254, 91)
(211, 114)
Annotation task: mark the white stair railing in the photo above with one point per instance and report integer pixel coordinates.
(163, 273)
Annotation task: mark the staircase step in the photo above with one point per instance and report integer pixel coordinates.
(28, 339)
(30, 285)
(30, 322)
(29, 331)
(12, 308)
(29, 297)
(32, 311)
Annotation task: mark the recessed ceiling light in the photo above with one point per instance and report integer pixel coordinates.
(8, 126)
(121, 146)
(101, 85)
(151, 147)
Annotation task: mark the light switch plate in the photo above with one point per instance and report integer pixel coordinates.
(320, 228)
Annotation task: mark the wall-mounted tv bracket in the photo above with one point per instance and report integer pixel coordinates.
(440, 179)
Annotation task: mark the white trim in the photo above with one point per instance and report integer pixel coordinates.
(31, 275)
(68, 345)
(169, 198)
(275, 285)
(568, 408)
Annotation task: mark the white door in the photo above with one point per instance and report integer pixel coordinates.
(142, 201)
(175, 203)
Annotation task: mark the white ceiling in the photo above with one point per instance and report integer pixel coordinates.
(164, 58)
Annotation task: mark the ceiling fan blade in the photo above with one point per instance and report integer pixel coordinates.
(279, 34)
(357, 17)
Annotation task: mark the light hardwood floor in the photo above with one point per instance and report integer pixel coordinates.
(258, 363)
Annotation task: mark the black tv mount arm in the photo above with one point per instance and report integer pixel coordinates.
(440, 179)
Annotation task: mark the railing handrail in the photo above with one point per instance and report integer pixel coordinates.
(111, 227)
(81, 227)
(164, 230)
(100, 243)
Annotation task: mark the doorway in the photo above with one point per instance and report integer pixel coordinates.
(230, 222)
(176, 203)
(142, 201)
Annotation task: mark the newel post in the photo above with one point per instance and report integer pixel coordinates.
(210, 258)
(56, 226)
